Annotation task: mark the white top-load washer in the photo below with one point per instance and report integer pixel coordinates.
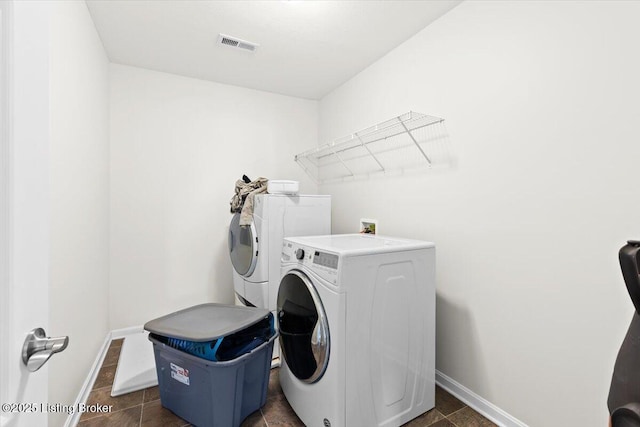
(255, 249)
(356, 316)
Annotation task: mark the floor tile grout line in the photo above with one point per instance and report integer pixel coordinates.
(120, 410)
(141, 410)
(444, 417)
(454, 412)
(109, 413)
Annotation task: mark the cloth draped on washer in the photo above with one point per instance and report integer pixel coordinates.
(243, 199)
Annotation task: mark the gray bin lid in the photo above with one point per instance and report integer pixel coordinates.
(205, 322)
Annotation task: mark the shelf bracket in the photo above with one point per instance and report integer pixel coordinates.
(370, 153)
(414, 141)
(341, 161)
(298, 161)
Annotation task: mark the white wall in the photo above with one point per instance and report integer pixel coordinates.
(79, 174)
(541, 102)
(177, 147)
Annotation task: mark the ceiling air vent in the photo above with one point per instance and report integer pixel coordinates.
(237, 43)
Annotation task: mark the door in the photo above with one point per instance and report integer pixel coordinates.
(303, 326)
(24, 193)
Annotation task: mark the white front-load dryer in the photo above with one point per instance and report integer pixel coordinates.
(248, 251)
(356, 315)
(255, 249)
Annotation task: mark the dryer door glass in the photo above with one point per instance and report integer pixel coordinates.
(243, 247)
(304, 330)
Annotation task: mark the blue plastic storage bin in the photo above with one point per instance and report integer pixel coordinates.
(205, 392)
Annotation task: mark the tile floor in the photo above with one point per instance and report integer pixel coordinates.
(143, 409)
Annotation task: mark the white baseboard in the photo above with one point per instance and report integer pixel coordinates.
(479, 404)
(72, 420)
(121, 333)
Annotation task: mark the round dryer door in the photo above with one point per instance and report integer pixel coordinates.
(243, 246)
(303, 326)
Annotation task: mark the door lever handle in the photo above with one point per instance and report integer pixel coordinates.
(38, 348)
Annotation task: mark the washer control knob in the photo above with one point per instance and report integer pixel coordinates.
(299, 253)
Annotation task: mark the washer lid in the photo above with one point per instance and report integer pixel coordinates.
(359, 244)
(206, 322)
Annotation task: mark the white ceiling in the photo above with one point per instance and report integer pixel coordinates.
(307, 48)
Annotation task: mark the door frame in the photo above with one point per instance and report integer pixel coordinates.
(6, 9)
